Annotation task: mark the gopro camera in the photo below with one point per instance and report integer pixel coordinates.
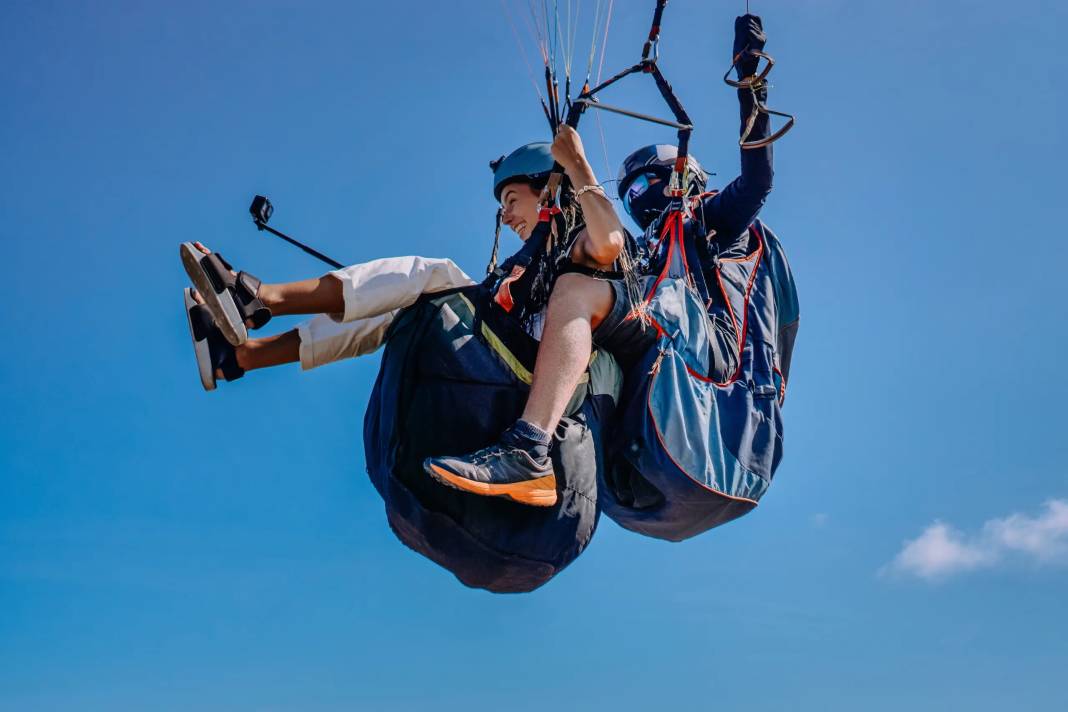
(261, 209)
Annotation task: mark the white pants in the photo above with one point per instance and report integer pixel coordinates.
(374, 292)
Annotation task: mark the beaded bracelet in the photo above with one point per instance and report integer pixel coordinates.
(597, 188)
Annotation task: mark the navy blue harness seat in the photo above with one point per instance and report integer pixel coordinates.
(691, 453)
(455, 373)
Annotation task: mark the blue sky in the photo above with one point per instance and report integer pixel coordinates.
(155, 552)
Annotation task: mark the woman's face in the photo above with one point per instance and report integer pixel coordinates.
(519, 208)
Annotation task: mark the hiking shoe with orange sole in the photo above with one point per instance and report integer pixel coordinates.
(498, 471)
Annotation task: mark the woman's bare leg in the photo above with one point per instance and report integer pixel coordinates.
(362, 298)
(321, 295)
(269, 351)
(577, 306)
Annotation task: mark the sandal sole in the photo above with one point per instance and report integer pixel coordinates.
(200, 348)
(222, 306)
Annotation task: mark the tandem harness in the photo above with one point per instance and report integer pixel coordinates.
(698, 444)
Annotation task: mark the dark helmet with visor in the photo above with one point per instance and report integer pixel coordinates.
(649, 166)
(531, 163)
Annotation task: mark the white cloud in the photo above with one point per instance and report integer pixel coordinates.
(941, 551)
(1044, 537)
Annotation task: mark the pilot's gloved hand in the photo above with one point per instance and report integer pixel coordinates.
(748, 35)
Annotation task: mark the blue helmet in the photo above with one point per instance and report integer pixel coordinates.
(658, 160)
(527, 163)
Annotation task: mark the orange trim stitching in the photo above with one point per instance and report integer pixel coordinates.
(744, 331)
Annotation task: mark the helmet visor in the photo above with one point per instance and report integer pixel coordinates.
(637, 188)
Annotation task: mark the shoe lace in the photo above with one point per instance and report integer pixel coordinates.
(489, 453)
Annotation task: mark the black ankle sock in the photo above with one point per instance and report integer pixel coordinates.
(527, 436)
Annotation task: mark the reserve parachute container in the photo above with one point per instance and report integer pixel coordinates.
(456, 373)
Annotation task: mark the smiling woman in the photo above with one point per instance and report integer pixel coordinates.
(518, 180)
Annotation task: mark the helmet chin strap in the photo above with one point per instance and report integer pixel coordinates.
(496, 243)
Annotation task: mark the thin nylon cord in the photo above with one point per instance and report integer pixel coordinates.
(604, 44)
(522, 51)
(534, 27)
(574, 32)
(568, 33)
(551, 41)
(562, 45)
(593, 39)
(549, 35)
(604, 148)
(600, 70)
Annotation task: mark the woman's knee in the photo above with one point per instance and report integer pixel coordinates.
(592, 296)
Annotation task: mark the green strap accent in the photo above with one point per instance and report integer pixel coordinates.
(509, 358)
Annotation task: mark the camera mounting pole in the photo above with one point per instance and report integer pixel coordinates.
(261, 210)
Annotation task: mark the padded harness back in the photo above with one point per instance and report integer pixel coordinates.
(692, 453)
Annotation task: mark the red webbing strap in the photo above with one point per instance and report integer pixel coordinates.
(672, 230)
(546, 213)
(503, 297)
(654, 31)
